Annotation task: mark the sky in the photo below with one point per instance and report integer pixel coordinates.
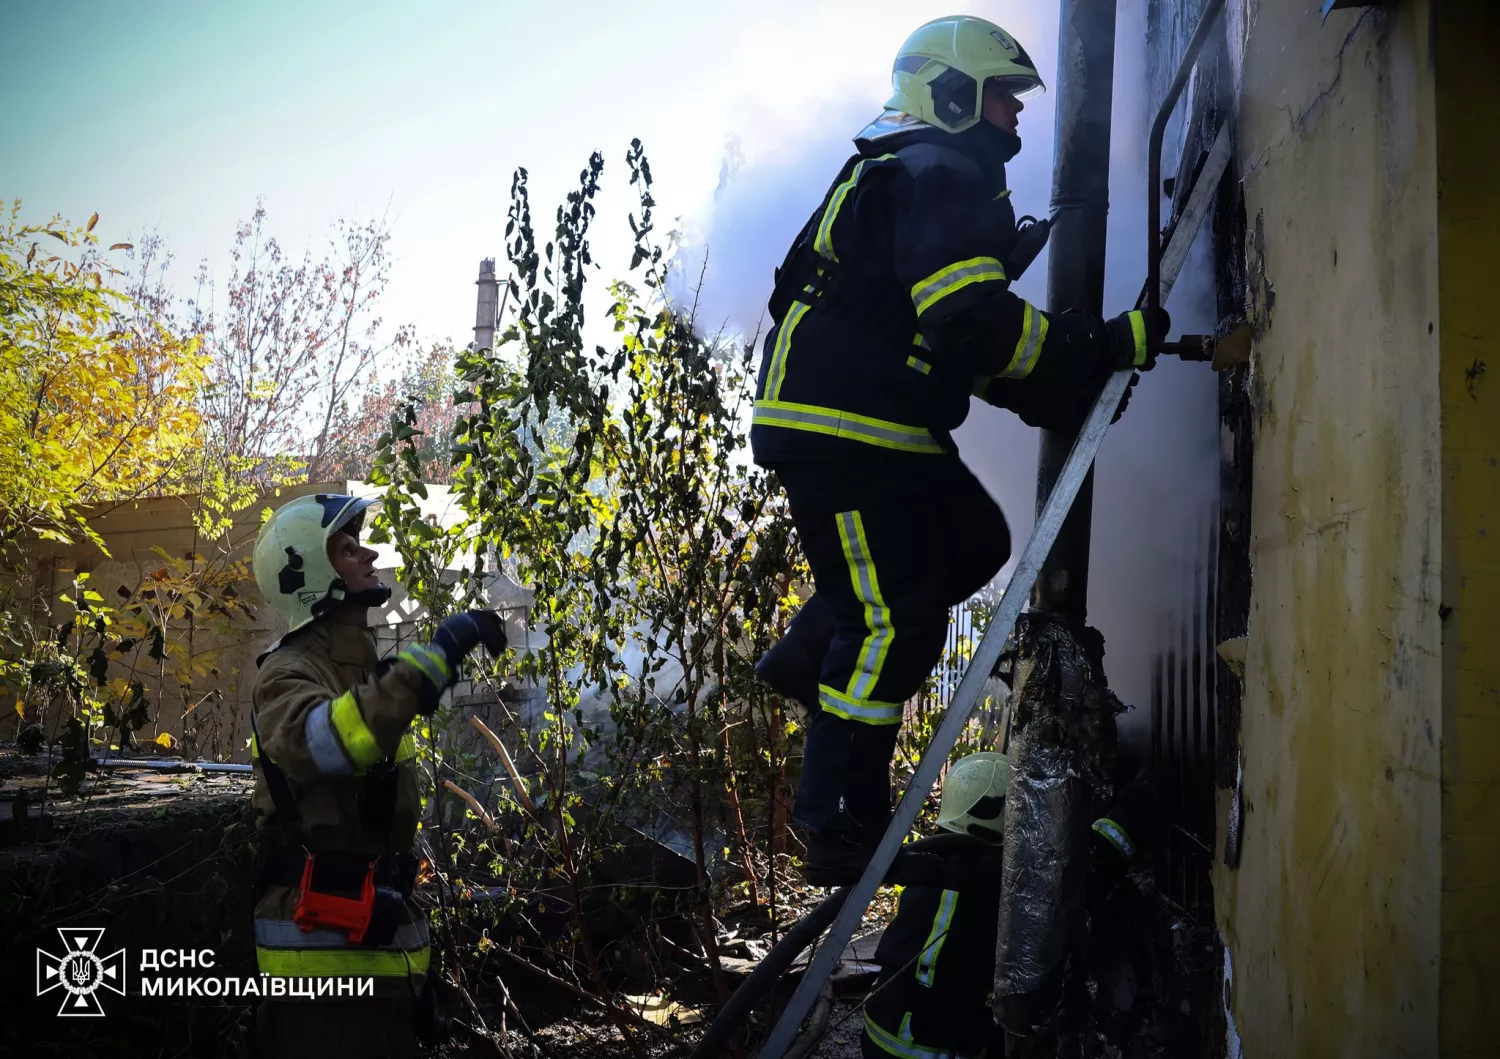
(176, 117)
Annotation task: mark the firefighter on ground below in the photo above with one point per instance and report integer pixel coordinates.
(937, 957)
(933, 998)
(336, 789)
(892, 308)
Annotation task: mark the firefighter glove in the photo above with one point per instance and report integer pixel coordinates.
(461, 633)
(1133, 339)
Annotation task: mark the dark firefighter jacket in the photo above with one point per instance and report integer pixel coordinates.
(937, 963)
(334, 721)
(894, 306)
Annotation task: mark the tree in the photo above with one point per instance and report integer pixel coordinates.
(97, 398)
(610, 483)
(427, 388)
(292, 348)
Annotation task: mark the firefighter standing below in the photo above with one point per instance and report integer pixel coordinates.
(336, 787)
(892, 308)
(937, 957)
(932, 999)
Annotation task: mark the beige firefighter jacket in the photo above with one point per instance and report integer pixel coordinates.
(326, 710)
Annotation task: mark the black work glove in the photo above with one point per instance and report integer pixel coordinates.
(1132, 340)
(438, 662)
(461, 633)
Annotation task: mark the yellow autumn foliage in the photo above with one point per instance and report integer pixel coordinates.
(95, 406)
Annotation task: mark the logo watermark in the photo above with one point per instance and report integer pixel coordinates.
(80, 972)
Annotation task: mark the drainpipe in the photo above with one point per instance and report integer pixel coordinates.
(1062, 737)
(1075, 264)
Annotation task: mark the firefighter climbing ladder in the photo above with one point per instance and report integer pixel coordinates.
(1163, 265)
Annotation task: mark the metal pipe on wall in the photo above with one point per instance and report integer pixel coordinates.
(1075, 262)
(1063, 730)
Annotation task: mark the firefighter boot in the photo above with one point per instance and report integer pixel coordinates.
(844, 796)
(791, 667)
(839, 853)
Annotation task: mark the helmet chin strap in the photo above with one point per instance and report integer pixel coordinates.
(338, 592)
(378, 596)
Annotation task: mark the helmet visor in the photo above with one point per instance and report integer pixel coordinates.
(346, 513)
(1019, 86)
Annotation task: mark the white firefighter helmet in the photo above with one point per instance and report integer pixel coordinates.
(291, 554)
(974, 796)
(940, 72)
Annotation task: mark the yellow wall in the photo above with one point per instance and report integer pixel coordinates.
(1468, 155)
(1332, 917)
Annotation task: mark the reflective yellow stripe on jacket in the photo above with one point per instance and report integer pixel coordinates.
(823, 247)
(870, 711)
(927, 960)
(284, 949)
(841, 424)
(903, 1046)
(782, 347)
(406, 750)
(823, 240)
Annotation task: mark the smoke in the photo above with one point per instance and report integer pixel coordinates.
(1156, 479)
(726, 265)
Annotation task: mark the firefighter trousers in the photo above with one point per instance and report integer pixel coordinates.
(890, 552)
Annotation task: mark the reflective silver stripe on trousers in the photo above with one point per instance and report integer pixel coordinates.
(284, 934)
(323, 742)
(877, 618)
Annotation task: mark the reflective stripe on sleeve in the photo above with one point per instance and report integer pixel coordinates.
(866, 584)
(927, 960)
(952, 278)
(354, 735)
(1138, 332)
(1115, 835)
(919, 365)
(1029, 345)
(431, 661)
(323, 741)
(870, 711)
(835, 423)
